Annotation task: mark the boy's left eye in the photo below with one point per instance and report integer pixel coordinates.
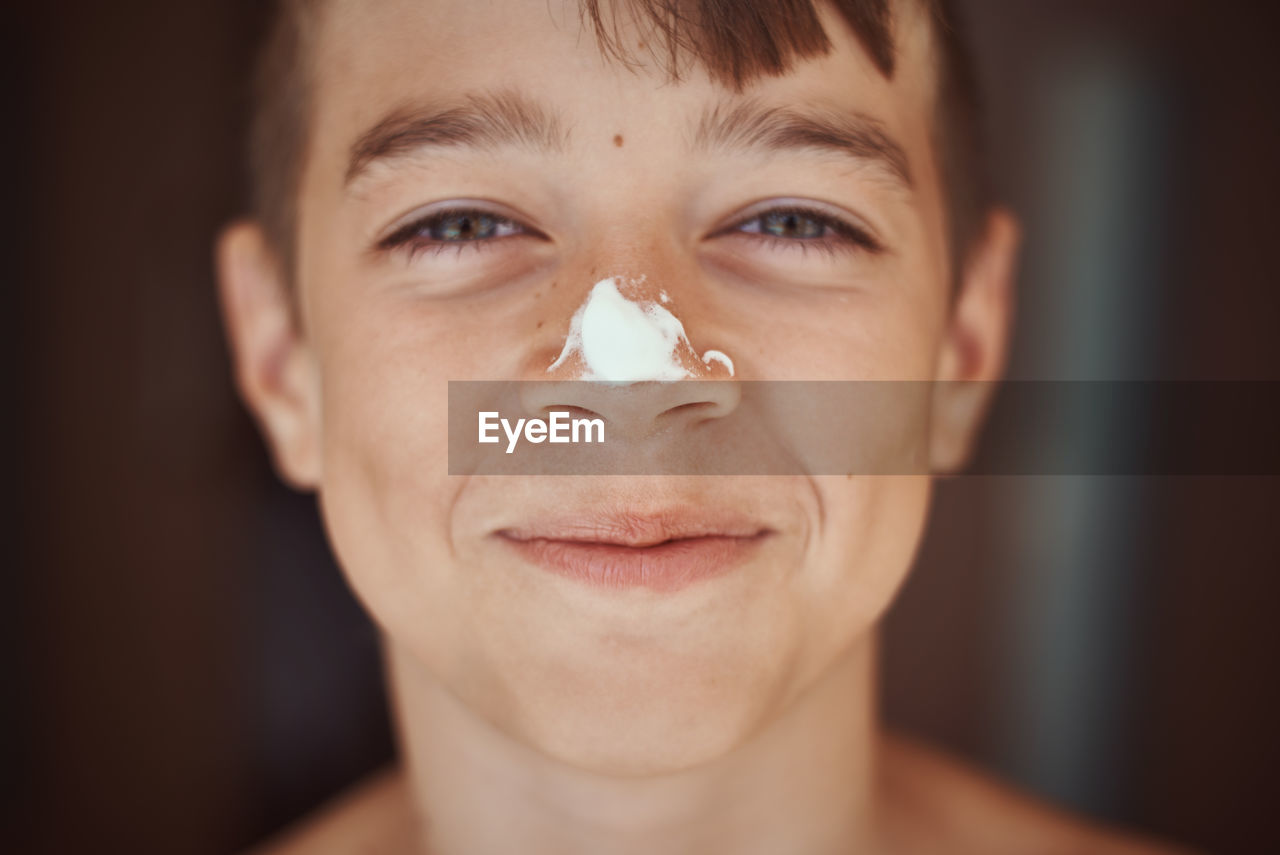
(807, 228)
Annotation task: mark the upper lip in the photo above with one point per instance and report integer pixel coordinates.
(638, 528)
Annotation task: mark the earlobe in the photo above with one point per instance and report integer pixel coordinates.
(975, 342)
(275, 371)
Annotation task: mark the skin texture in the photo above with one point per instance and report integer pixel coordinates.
(734, 715)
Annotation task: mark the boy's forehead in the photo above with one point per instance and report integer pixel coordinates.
(373, 58)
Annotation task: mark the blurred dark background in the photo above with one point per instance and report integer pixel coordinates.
(184, 670)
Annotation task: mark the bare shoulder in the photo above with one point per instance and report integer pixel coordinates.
(934, 803)
(372, 818)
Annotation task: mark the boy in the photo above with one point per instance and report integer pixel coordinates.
(598, 664)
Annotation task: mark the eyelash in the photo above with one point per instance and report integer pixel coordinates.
(846, 237)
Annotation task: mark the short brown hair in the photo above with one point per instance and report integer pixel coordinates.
(735, 42)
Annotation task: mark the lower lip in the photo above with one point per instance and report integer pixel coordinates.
(664, 567)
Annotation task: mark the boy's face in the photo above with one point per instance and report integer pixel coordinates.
(625, 174)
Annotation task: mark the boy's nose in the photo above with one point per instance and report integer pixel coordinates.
(627, 358)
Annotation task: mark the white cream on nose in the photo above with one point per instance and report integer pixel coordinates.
(630, 341)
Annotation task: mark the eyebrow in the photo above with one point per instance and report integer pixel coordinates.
(751, 125)
(491, 120)
(482, 120)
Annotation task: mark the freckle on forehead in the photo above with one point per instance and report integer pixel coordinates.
(617, 139)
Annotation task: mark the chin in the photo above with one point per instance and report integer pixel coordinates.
(647, 715)
(651, 738)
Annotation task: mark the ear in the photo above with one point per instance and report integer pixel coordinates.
(975, 342)
(276, 373)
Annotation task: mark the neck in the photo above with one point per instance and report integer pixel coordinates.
(803, 784)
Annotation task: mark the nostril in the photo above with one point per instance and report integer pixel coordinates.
(575, 412)
(692, 408)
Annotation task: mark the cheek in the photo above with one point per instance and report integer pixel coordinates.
(889, 332)
(388, 500)
(872, 528)
(385, 408)
(385, 491)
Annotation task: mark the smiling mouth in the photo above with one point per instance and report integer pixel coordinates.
(663, 552)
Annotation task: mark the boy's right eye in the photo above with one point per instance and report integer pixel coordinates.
(460, 228)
